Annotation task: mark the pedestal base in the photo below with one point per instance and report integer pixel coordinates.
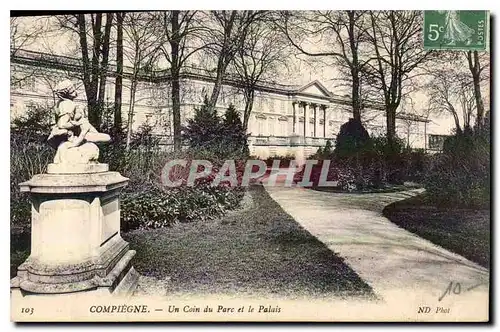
(76, 245)
(123, 286)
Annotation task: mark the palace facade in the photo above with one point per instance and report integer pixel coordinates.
(284, 117)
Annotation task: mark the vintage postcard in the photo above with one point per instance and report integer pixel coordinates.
(250, 165)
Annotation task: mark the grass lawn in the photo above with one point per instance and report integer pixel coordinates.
(257, 250)
(463, 231)
(386, 189)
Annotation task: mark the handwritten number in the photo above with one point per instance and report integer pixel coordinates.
(447, 291)
(456, 288)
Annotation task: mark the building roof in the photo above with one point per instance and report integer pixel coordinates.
(317, 84)
(40, 59)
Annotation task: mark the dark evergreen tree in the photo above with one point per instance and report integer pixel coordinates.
(351, 139)
(235, 134)
(205, 129)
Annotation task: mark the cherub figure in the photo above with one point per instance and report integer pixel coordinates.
(86, 131)
(65, 108)
(73, 131)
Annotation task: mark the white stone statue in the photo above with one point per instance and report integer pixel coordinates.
(73, 136)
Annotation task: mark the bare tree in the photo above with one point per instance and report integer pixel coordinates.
(467, 99)
(342, 34)
(260, 59)
(117, 123)
(94, 45)
(453, 93)
(227, 35)
(395, 41)
(182, 34)
(103, 70)
(24, 34)
(24, 31)
(141, 47)
(476, 69)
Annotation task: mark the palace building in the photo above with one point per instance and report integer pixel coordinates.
(284, 117)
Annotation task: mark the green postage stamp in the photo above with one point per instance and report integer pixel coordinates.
(456, 30)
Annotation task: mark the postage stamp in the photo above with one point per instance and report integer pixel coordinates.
(456, 30)
(249, 166)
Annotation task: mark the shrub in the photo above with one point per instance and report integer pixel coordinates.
(29, 155)
(344, 176)
(389, 160)
(371, 164)
(234, 135)
(158, 207)
(322, 153)
(460, 176)
(417, 163)
(351, 139)
(147, 203)
(284, 160)
(204, 130)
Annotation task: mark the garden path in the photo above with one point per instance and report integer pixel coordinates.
(397, 264)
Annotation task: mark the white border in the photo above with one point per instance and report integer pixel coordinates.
(198, 4)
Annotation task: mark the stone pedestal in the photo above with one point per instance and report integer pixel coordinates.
(75, 234)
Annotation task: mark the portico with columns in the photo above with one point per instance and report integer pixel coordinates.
(312, 124)
(315, 114)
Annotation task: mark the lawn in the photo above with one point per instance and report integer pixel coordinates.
(385, 189)
(463, 231)
(257, 250)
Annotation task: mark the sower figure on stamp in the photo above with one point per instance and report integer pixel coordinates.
(455, 29)
(73, 136)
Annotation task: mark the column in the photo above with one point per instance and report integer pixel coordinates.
(294, 116)
(324, 107)
(307, 129)
(316, 118)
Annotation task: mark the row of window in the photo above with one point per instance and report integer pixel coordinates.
(270, 104)
(285, 128)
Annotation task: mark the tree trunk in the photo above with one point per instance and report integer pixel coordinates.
(355, 67)
(391, 126)
(94, 109)
(176, 112)
(90, 88)
(175, 73)
(224, 58)
(467, 116)
(475, 68)
(356, 102)
(119, 75)
(103, 75)
(457, 122)
(221, 68)
(249, 98)
(130, 117)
